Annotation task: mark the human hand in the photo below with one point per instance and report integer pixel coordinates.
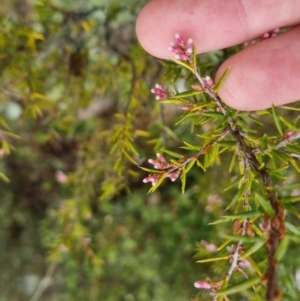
(262, 74)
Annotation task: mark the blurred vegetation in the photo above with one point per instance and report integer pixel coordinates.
(77, 120)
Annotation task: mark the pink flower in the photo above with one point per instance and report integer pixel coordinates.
(269, 34)
(153, 178)
(161, 163)
(209, 247)
(183, 51)
(208, 82)
(61, 177)
(203, 284)
(160, 92)
(173, 175)
(244, 263)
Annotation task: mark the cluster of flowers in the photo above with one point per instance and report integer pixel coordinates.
(160, 92)
(183, 51)
(169, 170)
(270, 34)
(267, 35)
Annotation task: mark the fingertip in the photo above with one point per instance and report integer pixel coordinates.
(263, 74)
(149, 38)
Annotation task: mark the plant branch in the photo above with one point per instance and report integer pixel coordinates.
(277, 227)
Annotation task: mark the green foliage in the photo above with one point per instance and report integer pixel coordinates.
(261, 167)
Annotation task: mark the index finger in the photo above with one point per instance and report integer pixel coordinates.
(212, 24)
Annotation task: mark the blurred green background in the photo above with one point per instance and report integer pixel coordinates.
(77, 118)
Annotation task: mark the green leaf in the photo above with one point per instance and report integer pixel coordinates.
(277, 120)
(129, 158)
(220, 221)
(295, 148)
(200, 165)
(186, 116)
(292, 209)
(211, 156)
(176, 101)
(248, 214)
(224, 244)
(255, 266)
(190, 146)
(242, 191)
(265, 204)
(4, 178)
(158, 183)
(4, 123)
(288, 123)
(170, 132)
(253, 248)
(257, 231)
(150, 170)
(190, 165)
(213, 114)
(295, 165)
(290, 108)
(233, 183)
(282, 248)
(254, 119)
(173, 154)
(262, 112)
(289, 283)
(281, 155)
(232, 162)
(227, 143)
(213, 259)
(187, 94)
(244, 239)
(295, 230)
(233, 201)
(290, 199)
(239, 287)
(221, 80)
(185, 65)
(183, 180)
(10, 134)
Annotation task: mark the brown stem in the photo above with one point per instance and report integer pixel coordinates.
(277, 227)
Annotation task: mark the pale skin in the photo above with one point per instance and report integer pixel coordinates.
(262, 74)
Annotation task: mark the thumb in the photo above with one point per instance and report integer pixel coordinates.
(263, 74)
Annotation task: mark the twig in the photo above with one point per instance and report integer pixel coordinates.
(44, 282)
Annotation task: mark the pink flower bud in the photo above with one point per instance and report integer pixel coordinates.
(159, 91)
(153, 178)
(269, 34)
(208, 82)
(156, 164)
(179, 39)
(173, 175)
(202, 284)
(190, 43)
(161, 158)
(244, 263)
(288, 134)
(209, 247)
(61, 177)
